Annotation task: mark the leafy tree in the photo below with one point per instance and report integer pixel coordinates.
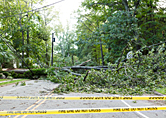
(6, 55)
(119, 30)
(28, 30)
(66, 45)
(116, 23)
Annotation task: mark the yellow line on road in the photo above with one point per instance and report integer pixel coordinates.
(29, 107)
(34, 105)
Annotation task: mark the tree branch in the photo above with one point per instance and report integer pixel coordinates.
(84, 63)
(108, 4)
(123, 52)
(136, 5)
(87, 67)
(125, 3)
(152, 45)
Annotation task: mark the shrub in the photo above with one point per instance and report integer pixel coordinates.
(1, 74)
(13, 74)
(36, 73)
(5, 73)
(9, 77)
(50, 71)
(17, 75)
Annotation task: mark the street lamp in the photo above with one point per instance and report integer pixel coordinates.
(53, 40)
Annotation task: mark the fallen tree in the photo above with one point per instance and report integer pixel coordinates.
(84, 63)
(88, 67)
(128, 79)
(67, 70)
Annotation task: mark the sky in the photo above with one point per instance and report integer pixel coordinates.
(66, 9)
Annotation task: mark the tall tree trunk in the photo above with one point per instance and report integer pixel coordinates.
(101, 49)
(47, 63)
(28, 42)
(23, 48)
(22, 32)
(72, 59)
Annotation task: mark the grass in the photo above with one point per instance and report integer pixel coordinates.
(161, 90)
(3, 79)
(12, 81)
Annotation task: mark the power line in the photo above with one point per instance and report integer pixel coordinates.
(37, 9)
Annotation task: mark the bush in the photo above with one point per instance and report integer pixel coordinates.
(5, 73)
(9, 77)
(17, 75)
(36, 73)
(50, 71)
(1, 74)
(13, 74)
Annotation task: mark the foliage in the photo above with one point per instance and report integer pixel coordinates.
(65, 45)
(5, 73)
(17, 75)
(59, 77)
(1, 74)
(36, 73)
(22, 84)
(141, 74)
(9, 77)
(6, 56)
(50, 71)
(161, 90)
(27, 33)
(13, 74)
(119, 29)
(113, 24)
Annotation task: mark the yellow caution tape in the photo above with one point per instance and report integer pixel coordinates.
(81, 111)
(82, 98)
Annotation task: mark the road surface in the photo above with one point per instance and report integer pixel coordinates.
(43, 88)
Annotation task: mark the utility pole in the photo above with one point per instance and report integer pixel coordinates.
(53, 40)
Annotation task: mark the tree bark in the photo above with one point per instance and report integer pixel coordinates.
(87, 67)
(28, 42)
(46, 54)
(67, 70)
(125, 3)
(84, 63)
(101, 49)
(72, 59)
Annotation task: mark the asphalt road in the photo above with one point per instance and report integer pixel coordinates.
(43, 88)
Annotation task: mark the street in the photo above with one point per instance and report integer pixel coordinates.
(44, 88)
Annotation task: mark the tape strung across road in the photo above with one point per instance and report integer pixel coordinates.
(81, 111)
(82, 98)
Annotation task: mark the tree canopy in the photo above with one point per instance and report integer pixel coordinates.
(115, 24)
(26, 30)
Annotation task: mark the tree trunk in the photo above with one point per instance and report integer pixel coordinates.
(28, 43)
(88, 67)
(46, 54)
(72, 59)
(23, 47)
(101, 49)
(125, 3)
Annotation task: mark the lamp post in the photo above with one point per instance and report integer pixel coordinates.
(53, 40)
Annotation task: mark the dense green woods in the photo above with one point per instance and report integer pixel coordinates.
(105, 32)
(104, 29)
(107, 26)
(26, 30)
